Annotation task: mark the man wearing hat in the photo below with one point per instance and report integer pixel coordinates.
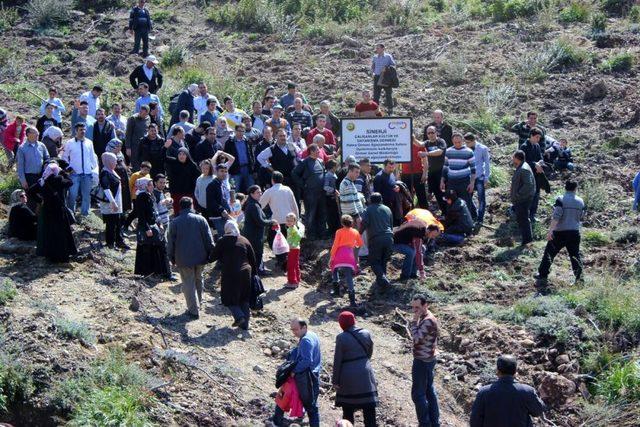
(93, 99)
(140, 23)
(148, 73)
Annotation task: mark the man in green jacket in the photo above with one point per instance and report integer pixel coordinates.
(523, 188)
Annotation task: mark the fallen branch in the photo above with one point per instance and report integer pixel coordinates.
(164, 340)
(160, 386)
(594, 325)
(443, 47)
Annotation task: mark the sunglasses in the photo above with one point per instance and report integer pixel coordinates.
(430, 133)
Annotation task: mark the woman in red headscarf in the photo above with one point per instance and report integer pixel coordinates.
(353, 376)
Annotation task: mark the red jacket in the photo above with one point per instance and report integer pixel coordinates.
(329, 138)
(10, 141)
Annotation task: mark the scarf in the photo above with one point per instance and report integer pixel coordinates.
(141, 185)
(346, 319)
(52, 132)
(51, 169)
(231, 229)
(109, 160)
(113, 145)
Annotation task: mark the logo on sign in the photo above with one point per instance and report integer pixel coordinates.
(351, 126)
(401, 125)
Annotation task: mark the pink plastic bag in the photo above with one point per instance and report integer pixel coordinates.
(280, 245)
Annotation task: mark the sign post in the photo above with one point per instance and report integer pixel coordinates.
(377, 138)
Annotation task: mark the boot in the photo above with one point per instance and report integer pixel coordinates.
(335, 292)
(352, 299)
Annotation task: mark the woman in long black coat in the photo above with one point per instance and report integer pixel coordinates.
(55, 240)
(238, 268)
(353, 377)
(255, 222)
(22, 221)
(150, 258)
(183, 174)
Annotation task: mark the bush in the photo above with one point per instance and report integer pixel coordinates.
(617, 7)
(535, 66)
(634, 14)
(8, 17)
(16, 385)
(48, 13)
(620, 63)
(159, 16)
(100, 5)
(325, 31)
(454, 70)
(70, 329)
(175, 55)
(595, 238)
(594, 194)
(575, 12)
(626, 235)
(7, 291)
(566, 55)
(111, 389)
(506, 10)
(598, 24)
(499, 176)
(249, 15)
(621, 382)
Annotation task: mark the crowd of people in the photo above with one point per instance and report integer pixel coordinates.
(213, 183)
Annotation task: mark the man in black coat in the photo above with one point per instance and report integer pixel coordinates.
(208, 147)
(534, 153)
(103, 132)
(308, 175)
(506, 403)
(443, 129)
(147, 73)
(140, 23)
(185, 102)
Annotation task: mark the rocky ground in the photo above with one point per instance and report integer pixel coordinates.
(207, 373)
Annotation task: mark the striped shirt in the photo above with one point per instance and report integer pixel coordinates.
(425, 337)
(459, 164)
(350, 203)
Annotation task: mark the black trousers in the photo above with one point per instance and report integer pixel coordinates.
(368, 413)
(415, 184)
(388, 97)
(315, 210)
(141, 35)
(521, 209)
(112, 231)
(433, 181)
(569, 239)
(333, 215)
(460, 187)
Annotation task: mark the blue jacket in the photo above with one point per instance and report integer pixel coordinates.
(307, 354)
(506, 403)
(636, 189)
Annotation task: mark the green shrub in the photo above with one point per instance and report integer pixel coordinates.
(111, 389)
(566, 55)
(49, 13)
(594, 194)
(620, 63)
(70, 329)
(8, 17)
(595, 238)
(175, 55)
(160, 16)
(598, 23)
(100, 5)
(621, 382)
(482, 121)
(8, 184)
(626, 235)
(499, 176)
(7, 291)
(536, 65)
(16, 385)
(634, 14)
(51, 59)
(325, 31)
(249, 15)
(613, 304)
(454, 70)
(576, 11)
(506, 10)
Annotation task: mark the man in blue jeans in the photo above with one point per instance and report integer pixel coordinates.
(423, 330)
(83, 166)
(404, 242)
(306, 372)
(483, 172)
(240, 170)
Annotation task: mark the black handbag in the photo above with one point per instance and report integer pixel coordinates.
(257, 289)
(157, 239)
(284, 372)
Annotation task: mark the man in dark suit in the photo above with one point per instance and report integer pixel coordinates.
(218, 200)
(185, 103)
(443, 129)
(147, 73)
(506, 403)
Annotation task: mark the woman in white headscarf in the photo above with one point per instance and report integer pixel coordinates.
(115, 146)
(55, 240)
(52, 139)
(151, 251)
(238, 267)
(111, 202)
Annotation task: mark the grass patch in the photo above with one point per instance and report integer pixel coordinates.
(110, 392)
(8, 184)
(499, 176)
(49, 13)
(595, 238)
(162, 15)
(71, 329)
(566, 55)
(620, 382)
(576, 11)
(626, 235)
(16, 385)
(453, 71)
(174, 56)
(614, 305)
(8, 17)
(620, 63)
(506, 10)
(51, 59)
(8, 291)
(594, 194)
(634, 14)
(598, 24)
(16, 91)
(324, 31)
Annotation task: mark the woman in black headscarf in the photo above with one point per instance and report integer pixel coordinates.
(22, 220)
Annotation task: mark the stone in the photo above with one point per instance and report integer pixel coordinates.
(555, 389)
(596, 92)
(527, 343)
(275, 349)
(135, 304)
(267, 352)
(258, 369)
(562, 359)
(348, 41)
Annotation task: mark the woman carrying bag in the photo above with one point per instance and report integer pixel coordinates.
(111, 203)
(151, 252)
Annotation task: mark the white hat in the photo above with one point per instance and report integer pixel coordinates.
(151, 58)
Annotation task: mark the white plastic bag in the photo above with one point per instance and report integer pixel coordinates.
(280, 245)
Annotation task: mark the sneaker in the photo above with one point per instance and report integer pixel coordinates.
(238, 322)
(192, 315)
(123, 246)
(291, 286)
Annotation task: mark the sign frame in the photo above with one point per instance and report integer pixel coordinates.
(410, 119)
